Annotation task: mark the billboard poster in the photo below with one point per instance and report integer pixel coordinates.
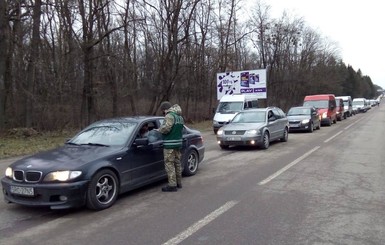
(242, 82)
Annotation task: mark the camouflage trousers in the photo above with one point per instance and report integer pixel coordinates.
(172, 164)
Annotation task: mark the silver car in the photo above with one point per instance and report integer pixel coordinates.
(254, 127)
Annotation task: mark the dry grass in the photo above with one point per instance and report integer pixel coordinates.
(19, 142)
(18, 145)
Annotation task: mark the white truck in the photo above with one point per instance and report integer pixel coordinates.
(229, 105)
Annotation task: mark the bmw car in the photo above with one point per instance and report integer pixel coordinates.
(107, 158)
(254, 127)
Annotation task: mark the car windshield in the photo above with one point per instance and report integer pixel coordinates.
(229, 107)
(107, 134)
(298, 111)
(250, 117)
(317, 103)
(358, 102)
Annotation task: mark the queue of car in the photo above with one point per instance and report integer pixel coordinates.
(259, 127)
(111, 156)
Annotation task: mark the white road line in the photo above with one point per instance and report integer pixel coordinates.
(354, 123)
(282, 170)
(198, 225)
(326, 141)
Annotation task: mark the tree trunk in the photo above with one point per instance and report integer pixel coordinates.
(3, 51)
(31, 70)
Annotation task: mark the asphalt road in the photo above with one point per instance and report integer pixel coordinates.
(325, 187)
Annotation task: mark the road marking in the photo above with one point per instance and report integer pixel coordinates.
(354, 123)
(282, 170)
(326, 141)
(198, 225)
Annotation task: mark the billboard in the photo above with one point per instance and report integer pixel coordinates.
(242, 82)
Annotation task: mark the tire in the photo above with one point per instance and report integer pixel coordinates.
(311, 127)
(285, 136)
(190, 163)
(224, 147)
(330, 122)
(265, 141)
(103, 190)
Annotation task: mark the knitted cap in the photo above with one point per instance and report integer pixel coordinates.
(165, 105)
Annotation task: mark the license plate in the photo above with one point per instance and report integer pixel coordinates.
(24, 191)
(234, 138)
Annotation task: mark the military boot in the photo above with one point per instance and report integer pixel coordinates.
(168, 188)
(179, 185)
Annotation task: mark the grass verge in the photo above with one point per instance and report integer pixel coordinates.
(20, 142)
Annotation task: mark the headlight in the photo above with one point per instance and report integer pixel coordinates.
(8, 172)
(324, 115)
(220, 132)
(62, 175)
(305, 121)
(252, 132)
(215, 122)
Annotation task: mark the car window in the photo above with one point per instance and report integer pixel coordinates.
(277, 113)
(105, 134)
(250, 117)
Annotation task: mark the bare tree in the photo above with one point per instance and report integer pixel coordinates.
(3, 54)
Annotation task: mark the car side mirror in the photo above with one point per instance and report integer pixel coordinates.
(141, 142)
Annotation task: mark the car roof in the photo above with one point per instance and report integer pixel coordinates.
(260, 109)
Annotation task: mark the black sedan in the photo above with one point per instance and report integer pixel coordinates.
(107, 158)
(303, 118)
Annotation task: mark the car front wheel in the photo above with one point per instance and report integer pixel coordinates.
(103, 190)
(311, 127)
(285, 136)
(191, 163)
(265, 140)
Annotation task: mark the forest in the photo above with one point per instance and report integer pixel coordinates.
(67, 63)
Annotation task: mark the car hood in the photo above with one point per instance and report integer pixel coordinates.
(67, 157)
(242, 126)
(298, 117)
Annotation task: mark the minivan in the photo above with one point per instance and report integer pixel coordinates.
(326, 105)
(229, 105)
(348, 105)
(360, 105)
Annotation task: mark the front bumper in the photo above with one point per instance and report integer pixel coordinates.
(298, 126)
(240, 140)
(53, 195)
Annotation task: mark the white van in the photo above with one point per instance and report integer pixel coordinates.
(360, 105)
(229, 105)
(348, 105)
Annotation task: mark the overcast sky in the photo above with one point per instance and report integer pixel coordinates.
(358, 28)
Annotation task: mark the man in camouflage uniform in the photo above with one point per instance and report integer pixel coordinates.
(171, 130)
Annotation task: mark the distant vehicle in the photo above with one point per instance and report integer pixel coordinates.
(254, 127)
(303, 118)
(348, 105)
(229, 105)
(360, 105)
(105, 159)
(326, 105)
(340, 109)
